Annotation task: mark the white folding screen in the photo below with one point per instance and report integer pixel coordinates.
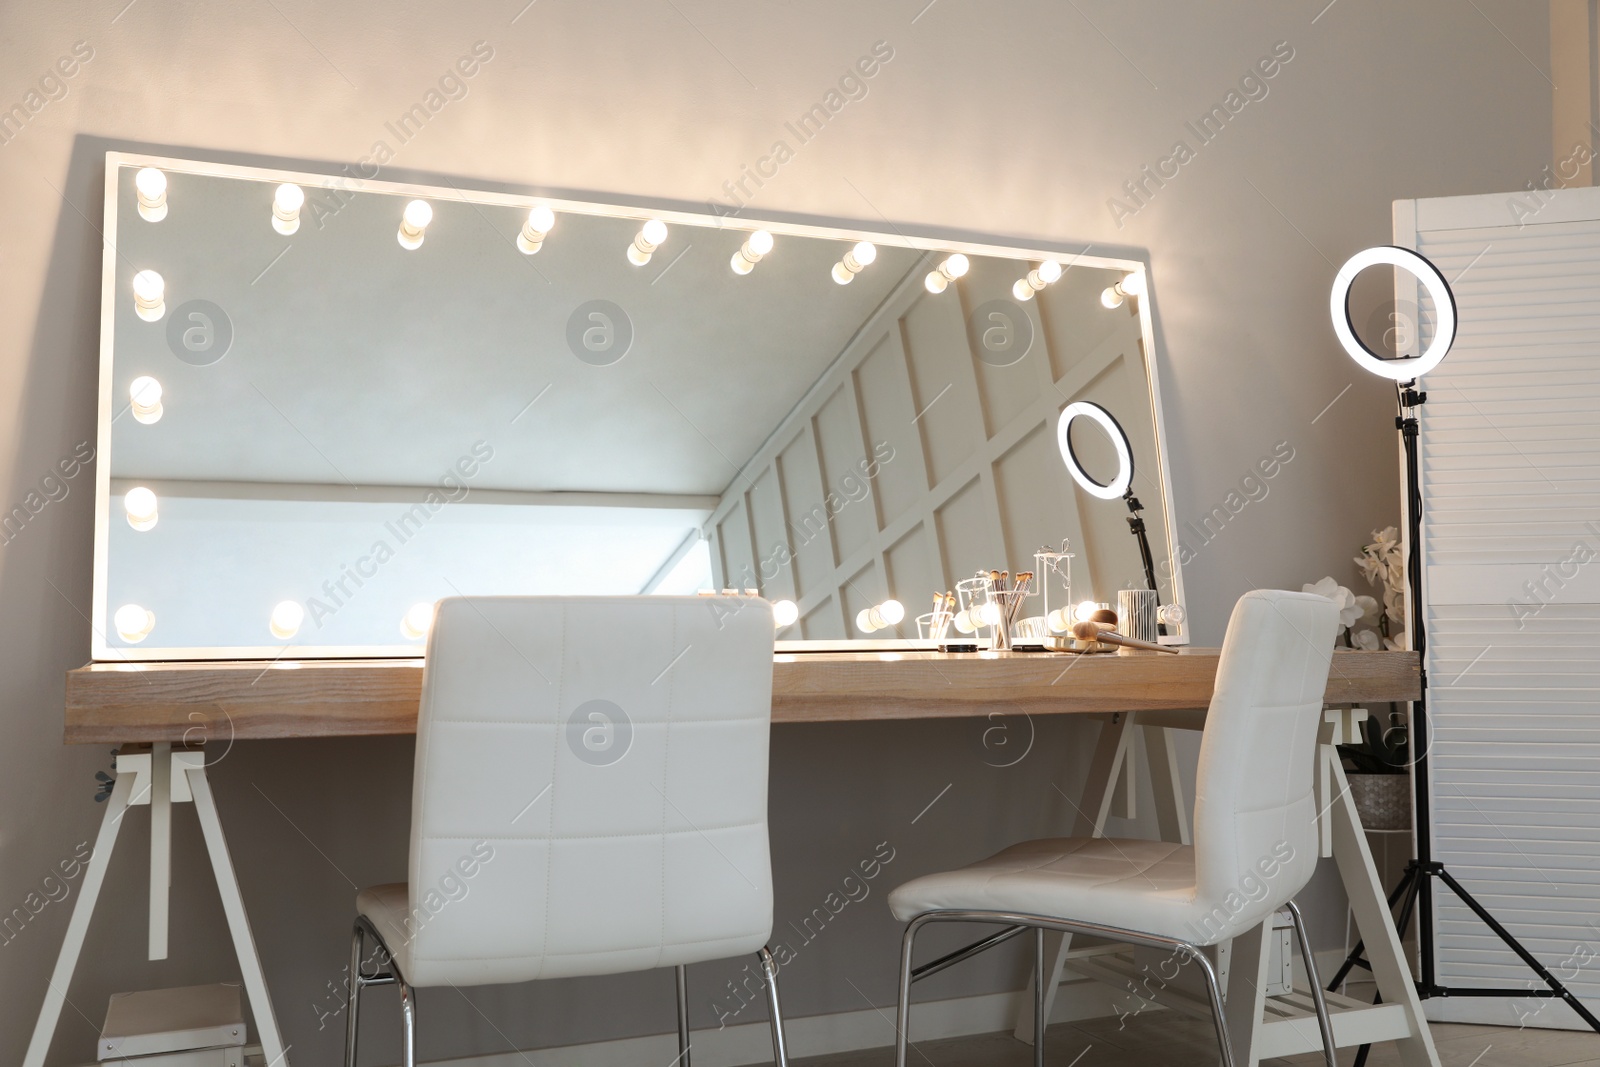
(1510, 446)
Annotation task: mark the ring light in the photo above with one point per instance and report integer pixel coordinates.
(1119, 440)
(1444, 303)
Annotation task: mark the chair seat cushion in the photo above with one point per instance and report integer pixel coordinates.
(1146, 886)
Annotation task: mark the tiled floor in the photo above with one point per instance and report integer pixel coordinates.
(1153, 1041)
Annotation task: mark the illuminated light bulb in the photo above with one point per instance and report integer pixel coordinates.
(286, 619)
(964, 622)
(1059, 620)
(145, 395)
(892, 612)
(414, 224)
(540, 222)
(784, 613)
(1111, 297)
(1085, 611)
(755, 246)
(952, 268)
(149, 295)
(989, 613)
(1133, 284)
(858, 259)
(151, 186)
(133, 623)
(286, 204)
(1036, 279)
(652, 235)
(140, 504)
(417, 621)
(1172, 614)
(864, 621)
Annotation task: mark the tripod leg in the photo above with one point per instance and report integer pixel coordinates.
(1516, 946)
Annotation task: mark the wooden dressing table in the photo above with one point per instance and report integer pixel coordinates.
(247, 700)
(175, 707)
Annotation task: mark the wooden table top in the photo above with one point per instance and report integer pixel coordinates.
(196, 701)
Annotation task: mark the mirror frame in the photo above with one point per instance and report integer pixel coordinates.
(922, 240)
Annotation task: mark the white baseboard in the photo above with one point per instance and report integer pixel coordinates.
(817, 1035)
(1540, 1014)
(851, 1031)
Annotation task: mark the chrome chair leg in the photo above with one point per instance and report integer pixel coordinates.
(1214, 988)
(360, 980)
(1324, 1022)
(353, 1009)
(780, 1042)
(1038, 996)
(683, 1015)
(408, 1022)
(902, 1023)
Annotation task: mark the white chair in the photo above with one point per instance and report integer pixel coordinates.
(589, 797)
(1255, 836)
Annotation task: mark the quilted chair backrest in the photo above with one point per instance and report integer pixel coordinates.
(1255, 833)
(590, 789)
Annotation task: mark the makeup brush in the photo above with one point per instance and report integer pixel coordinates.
(1094, 631)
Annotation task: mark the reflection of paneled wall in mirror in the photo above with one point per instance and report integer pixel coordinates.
(325, 407)
(929, 451)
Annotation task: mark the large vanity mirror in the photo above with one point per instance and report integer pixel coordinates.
(325, 404)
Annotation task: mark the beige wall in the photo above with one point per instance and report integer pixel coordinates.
(1021, 119)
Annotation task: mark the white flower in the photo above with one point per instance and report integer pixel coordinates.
(1370, 566)
(1397, 643)
(1349, 612)
(1394, 604)
(1389, 535)
(1365, 639)
(1369, 609)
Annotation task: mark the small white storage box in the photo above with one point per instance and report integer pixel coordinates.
(195, 1026)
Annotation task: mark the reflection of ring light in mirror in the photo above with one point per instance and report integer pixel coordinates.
(1036, 280)
(755, 246)
(785, 613)
(140, 504)
(1444, 305)
(133, 623)
(144, 395)
(1119, 440)
(858, 259)
(286, 619)
(952, 268)
(541, 220)
(286, 204)
(151, 186)
(417, 621)
(414, 223)
(651, 237)
(149, 295)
